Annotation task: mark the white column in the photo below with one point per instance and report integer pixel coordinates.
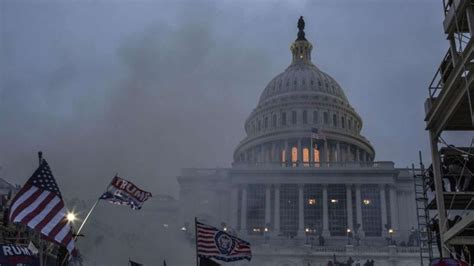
(394, 208)
(350, 223)
(359, 210)
(268, 209)
(301, 210)
(243, 211)
(325, 232)
(234, 198)
(299, 155)
(276, 228)
(348, 153)
(273, 156)
(338, 152)
(326, 151)
(383, 204)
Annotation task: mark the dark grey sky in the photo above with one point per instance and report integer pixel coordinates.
(144, 88)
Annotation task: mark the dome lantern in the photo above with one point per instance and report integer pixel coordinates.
(301, 48)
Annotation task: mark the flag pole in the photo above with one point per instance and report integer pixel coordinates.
(89, 214)
(40, 243)
(87, 217)
(196, 241)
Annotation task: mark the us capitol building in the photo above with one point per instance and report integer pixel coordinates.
(304, 175)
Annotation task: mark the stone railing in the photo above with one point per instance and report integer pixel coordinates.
(386, 165)
(382, 250)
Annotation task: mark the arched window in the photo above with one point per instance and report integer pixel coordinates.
(283, 119)
(334, 120)
(305, 156)
(349, 123)
(305, 117)
(316, 156)
(274, 121)
(294, 155)
(293, 117)
(259, 125)
(343, 122)
(266, 123)
(326, 118)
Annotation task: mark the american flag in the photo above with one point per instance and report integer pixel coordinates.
(214, 243)
(316, 133)
(40, 206)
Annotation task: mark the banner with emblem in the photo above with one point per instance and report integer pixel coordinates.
(214, 243)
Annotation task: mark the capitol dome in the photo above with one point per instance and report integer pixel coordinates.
(300, 108)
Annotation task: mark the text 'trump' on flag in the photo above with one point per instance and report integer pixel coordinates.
(40, 206)
(123, 192)
(214, 243)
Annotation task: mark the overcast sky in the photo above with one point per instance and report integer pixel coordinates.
(144, 88)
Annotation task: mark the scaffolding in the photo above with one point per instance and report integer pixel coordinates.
(449, 107)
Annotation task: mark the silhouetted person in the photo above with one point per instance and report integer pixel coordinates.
(350, 261)
(434, 227)
(321, 240)
(5, 216)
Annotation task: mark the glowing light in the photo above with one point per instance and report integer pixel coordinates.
(183, 228)
(71, 217)
(390, 231)
(256, 229)
(348, 230)
(334, 200)
(225, 228)
(306, 230)
(311, 201)
(266, 229)
(366, 202)
(165, 225)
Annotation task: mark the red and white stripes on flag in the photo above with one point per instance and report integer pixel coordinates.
(214, 243)
(40, 206)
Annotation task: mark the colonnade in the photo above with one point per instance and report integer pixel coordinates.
(356, 188)
(299, 151)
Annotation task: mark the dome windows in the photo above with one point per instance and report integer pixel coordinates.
(274, 121)
(326, 118)
(293, 117)
(343, 122)
(334, 120)
(283, 119)
(265, 124)
(305, 117)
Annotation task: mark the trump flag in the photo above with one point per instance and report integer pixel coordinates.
(123, 192)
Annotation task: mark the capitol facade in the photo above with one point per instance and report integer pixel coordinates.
(304, 187)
